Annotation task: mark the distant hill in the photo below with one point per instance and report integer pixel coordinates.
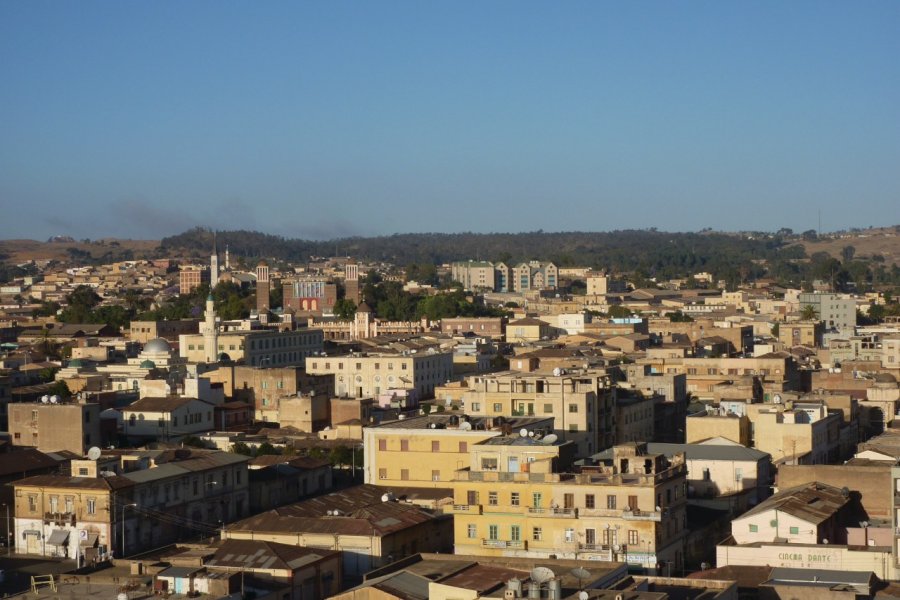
(62, 249)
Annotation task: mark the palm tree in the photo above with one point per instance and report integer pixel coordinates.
(809, 313)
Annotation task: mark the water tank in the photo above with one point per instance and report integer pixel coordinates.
(534, 590)
(554, 589)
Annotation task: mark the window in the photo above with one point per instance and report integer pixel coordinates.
(476, 406)
(471, 531)
(537, 534)
(589, 501)
(573, 427)
(492, 498)
(632, 537)
(753, 528)
(70, 504)
(435, 446)
(404, 445)
(536, 499)
(573, 408)
(382, 445)
(610, 501)
(435, 475)
(91, 506)
(488, 464)
(32, 502)
(463, 446)
(382, 473)
(514, 499)
(404, 474)
(570, 535)
(515, 533)
(493, 532)
(548, 409)
(498, 407)
(472, 497)
(795, 530)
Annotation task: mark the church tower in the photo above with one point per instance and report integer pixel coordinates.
(362, 324)
(210, 332)
(214, 264)
(351, 282)
(262, 288)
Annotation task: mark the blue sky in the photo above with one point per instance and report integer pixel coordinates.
(326, 119)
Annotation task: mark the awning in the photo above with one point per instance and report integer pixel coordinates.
(89, 541)
(58, 537)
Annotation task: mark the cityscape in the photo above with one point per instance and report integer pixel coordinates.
(410, 301)
(338, 427)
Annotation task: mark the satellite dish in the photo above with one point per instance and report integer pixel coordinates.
(465, 426)
(93, 453)
(845, 492)
(581, 595)
(825, 541)
(616, 547)
(523, 432)
(557, 372)
(549, 439)
(530, 434)
(580, 573)
(54, 399)
(45, 399)
(776, 398)
(542, 574)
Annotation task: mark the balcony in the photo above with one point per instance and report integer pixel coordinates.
(641, 515)
(466, 509)
(602, 551)
(504, 544)
(600, 512)
(58, 518)
(570, 513)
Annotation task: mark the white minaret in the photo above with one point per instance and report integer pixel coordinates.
(210, 332)
(227, 262)
(214, 264)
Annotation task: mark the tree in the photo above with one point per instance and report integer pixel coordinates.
(847, 253)
(809, 313)
(344, 309)
(618, 311)
(679, 317)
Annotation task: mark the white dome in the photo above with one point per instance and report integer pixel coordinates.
(158, 346)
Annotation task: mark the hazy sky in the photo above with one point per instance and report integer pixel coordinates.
(330, 118)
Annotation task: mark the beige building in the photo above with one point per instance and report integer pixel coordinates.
(804, 527)
(370, 374)
(144, 331)
(801, 333)
(364, 522)
(426, 451)
(169, 418)
(629, 509)
(581, 403)
(256, 348)
(54, 426)
(264, 387)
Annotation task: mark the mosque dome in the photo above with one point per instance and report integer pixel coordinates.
(76, 363)
(158, 346)
(148, 364)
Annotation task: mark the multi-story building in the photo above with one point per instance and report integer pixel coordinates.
(441, 441)
(582, 403)
(144, 331)
(169, 418)
(264, 387)
(492, 327)
(534, 275)
(801, 333)
(365, 522)
(54, 426)
(309, 294)
(630, 508)
(92, 513)
(369, 374)
(835, 310)
(476, 276)
(190, 277)
(256, 348)
(601, 285)
(703, 374)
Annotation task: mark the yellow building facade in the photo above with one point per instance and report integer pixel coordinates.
(512, 501)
